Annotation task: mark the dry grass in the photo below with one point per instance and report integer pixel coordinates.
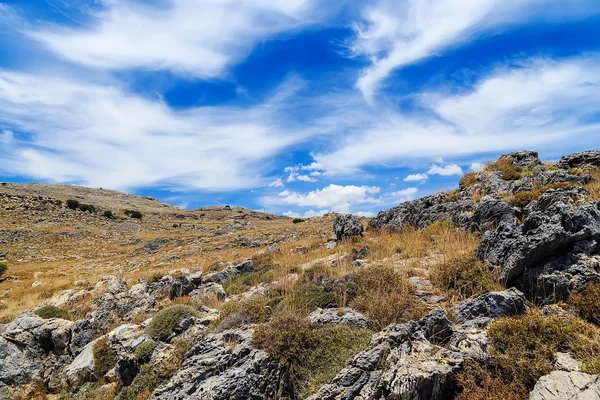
(509, 172)
(477, 382)
(586, 303)
(467, 180)
(594, 186)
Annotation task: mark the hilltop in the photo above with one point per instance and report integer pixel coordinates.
(487, 291)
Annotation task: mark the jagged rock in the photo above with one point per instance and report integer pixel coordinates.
(526, 159)
(81, 335)
(561, 385)
(490, 212)
(346, 226)
(81, 369)
(226, 366)
(481, 310)
(405, 361)
(196, 278)
(272, 248)
(578, 160)
(30, 346)
(347, 316)
(181, 286)
(208, 292)
(566, 362)
(550, 230)
(229, 271)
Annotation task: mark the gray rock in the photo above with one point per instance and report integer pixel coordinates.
(526, 159)
(578, 160)
(566, 362)
(562, 385)
(481, 310)
(181, 286)
(81, 336)
(196, 278)
(346, 226)
(81, 369)
(230, 271)
(226, 366)
(489, 212)
(207, 293)
(347, 316)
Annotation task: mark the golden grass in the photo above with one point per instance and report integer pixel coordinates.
(594, 186)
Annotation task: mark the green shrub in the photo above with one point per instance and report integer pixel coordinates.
(104, 357)
(48, 312)
(143, 353)
(108, 214)
(235, 314)
(73, 204)
(523, 348)
(165, 321)
(87, 207)
(136, 215)
(3, 269)
(586, 303)
(314, 354)
(297, 220)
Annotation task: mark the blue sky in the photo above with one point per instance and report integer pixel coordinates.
(296, 107)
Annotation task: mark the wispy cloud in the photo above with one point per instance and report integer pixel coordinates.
(195, 38)
(416, 178)
(446, 170)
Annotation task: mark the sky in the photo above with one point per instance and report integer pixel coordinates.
(295, 107)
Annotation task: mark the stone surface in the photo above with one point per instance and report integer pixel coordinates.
(346, 316)
(481, 310)
(562, 385)
(583, 159)
(229, 271)
(346, 226)
(566, 362)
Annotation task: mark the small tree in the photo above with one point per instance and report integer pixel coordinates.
(3, 269)
(73, 204)
(108, 214)
(87, 207)
(136, 215)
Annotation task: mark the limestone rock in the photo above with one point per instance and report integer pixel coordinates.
(346, 226)
(562, 385)
(347, 316)
(481, 310)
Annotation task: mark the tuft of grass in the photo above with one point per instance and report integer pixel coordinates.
(463, 277)
(3, 269)
(477, 382)
(235, 314)
(586, 303)
(594, 185)
(523, 348)
(104, 357)
(521, 199)
(467, 180)
(385, 295)
(143, 353)
(164, 323)
(263, 272)
(509, 171)
(48, 312)
(312, 353)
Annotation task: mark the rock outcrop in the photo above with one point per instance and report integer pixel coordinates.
(589, 158)
(481, 310)
(346, 226)
(561, 385)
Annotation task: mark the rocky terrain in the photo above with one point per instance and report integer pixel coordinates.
(489, 291)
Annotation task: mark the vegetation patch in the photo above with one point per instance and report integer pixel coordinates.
(235, 314)
(3, 269)
(87, 208)
(104, 357)
(467, 180)
(314, 354)
(586, 303)
(48, 312)
(509, 171)
(263, 272)
(297, 220)
(463, 277)
(73, 204)
(385, 296)
(478, 382)
(143, 353)
(522, 199)
(165, 322)
(108, 214)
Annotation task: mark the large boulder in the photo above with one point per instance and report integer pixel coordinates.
(583, 159)
(525, 159)
(561, 385)
(346, 226)
(226, 366)
(479, 311)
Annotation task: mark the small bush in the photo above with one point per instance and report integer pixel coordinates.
(297, 220)
(463, 277)
(236, 314)
(477, 382)
(87, 207)
(144, 383)
(165, 321)
(108, 214)
(136, 215)
(104, 357)
(385, 296)
(509, 171)
(3, 269)
(523, 348)
(73, 204)
(468, 180)
(586, 303)
(143, 353)
(48, 312)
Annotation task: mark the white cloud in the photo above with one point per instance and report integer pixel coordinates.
(366, 214)
(276, 183)
(291, 214)
(404, 194)
(306, 214)
(193, 37)
(335, 197)
(447, 170)
(476, 167)
(533, 104)
(416, 178)
(103, 136)
(7, 137)
(294, 176)
(393, 34)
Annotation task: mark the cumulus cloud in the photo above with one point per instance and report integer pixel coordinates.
(104, 136)
(393, 34)
(416, 178)
(334, 197)
(404, 194)
(476, 167)
(276, 183)
(532, 103)
(195, 38)
(447, 170)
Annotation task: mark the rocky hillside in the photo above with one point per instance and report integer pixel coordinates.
(489, 291)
